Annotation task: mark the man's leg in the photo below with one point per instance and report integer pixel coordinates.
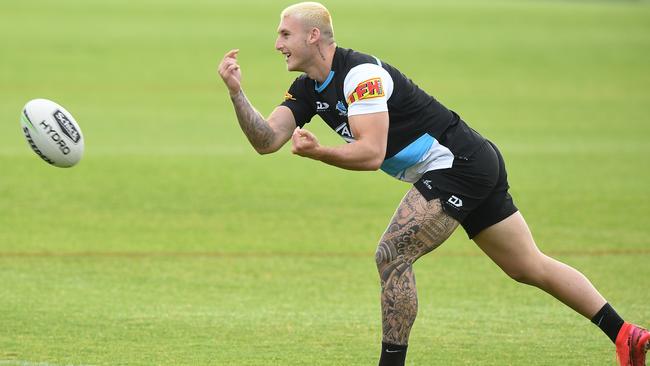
(510, 245)
(418, 227)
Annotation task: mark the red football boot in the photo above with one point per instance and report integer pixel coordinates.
(632, 343)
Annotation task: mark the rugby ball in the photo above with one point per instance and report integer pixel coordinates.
(52, 132)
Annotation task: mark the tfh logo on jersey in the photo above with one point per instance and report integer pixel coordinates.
(370, 88)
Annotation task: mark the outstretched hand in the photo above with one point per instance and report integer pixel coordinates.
(304, 143)
(230, 72)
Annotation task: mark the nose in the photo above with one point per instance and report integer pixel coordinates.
(278, 46)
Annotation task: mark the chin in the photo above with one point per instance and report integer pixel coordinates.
(292, 66)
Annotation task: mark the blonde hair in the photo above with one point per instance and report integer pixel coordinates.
(312, 15)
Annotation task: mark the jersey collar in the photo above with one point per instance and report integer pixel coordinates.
(320, 88)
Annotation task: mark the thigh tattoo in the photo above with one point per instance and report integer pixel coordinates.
(418, 227)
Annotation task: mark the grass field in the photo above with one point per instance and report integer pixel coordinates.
(173, 243)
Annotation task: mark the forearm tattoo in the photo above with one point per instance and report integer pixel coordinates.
(418, 227)
(255, 127)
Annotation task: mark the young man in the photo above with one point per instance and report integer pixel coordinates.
(458, 176)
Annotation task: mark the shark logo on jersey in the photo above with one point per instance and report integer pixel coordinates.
(341, 108)
(344, 130)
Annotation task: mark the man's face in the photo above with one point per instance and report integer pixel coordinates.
(292, 42)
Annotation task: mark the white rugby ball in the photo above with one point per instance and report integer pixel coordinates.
(52, 132)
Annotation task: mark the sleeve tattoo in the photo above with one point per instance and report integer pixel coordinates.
(255, 127)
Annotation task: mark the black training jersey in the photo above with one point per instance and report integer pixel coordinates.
(423, 135)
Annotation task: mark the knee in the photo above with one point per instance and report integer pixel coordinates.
(389, 262)
(384, 256)
(530, 272)
(524, 276)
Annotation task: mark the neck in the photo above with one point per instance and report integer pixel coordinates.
(322, 65)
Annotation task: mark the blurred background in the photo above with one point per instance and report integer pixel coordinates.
(173, 242)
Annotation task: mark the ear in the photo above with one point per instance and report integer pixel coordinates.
(314, 36)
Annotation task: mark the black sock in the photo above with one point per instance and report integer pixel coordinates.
(608, 321)
(392, 355)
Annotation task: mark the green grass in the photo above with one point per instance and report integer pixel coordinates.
(173, 243)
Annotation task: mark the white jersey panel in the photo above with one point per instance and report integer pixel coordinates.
(438, 157)
(419, 157)
(367, 88)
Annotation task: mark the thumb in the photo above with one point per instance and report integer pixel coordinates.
(233, 53)
(295, 136)
(303, 133)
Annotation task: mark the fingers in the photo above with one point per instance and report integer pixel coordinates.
(230, 57)
(299, 139)
(232, 67)
(232, 53)
(228, 64)
(230, 72)
(228, 61)
(296, 140)
(302, 133)
(303, 143)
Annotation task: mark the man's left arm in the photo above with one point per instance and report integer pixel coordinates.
(367, 152)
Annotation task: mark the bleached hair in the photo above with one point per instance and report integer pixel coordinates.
(312, 15)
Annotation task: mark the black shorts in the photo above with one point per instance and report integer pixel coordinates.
(473, 191)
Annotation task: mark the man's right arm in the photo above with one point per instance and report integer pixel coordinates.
(266, 136)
